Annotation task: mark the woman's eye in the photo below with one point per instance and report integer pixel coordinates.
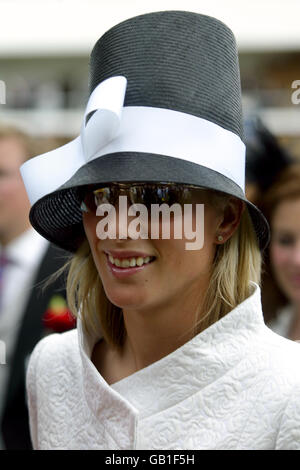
(100, 198)
(285, 241)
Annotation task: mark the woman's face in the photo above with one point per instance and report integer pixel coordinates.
(169, 273)
(285, 248)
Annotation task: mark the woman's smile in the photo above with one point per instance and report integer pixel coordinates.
(126, 263)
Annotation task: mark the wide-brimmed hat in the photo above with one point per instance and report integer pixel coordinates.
(164, 106)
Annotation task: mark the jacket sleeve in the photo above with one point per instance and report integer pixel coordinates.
(289, 433)
(33, 370)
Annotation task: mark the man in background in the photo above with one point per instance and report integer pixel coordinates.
(28, 260)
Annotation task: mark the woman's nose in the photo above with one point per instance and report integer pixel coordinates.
(131, 220)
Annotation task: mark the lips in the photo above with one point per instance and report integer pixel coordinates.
(123, 264)
(126, 253)
(130, 262)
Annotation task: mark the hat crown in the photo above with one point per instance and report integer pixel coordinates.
(176, 60)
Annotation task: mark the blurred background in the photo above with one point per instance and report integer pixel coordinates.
(45, 45)
(44, 58)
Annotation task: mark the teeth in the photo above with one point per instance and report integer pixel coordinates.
(129, 262)
(125, 263)
(140, 261)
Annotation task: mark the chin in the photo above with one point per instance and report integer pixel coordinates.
(125, 298)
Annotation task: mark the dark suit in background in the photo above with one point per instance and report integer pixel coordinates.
(15, 421)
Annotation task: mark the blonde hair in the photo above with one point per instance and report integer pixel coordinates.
(236, 263)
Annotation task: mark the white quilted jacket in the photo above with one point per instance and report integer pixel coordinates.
(236, 385)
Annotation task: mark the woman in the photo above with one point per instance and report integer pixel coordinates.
(265, 159)
(282, 206)
(171, 351)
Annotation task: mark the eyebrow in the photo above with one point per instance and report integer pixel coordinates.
(283, 231)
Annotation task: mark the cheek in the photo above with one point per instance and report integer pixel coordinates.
(279, 256)
(13, 198)
(183, 265)
(90, 224)
(9, 188)
(196, 247)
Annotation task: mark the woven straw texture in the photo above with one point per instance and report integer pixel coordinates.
(176, 60)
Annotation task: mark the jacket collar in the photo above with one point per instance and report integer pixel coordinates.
(186, 371)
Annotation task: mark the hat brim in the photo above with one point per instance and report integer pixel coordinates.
(58, 217)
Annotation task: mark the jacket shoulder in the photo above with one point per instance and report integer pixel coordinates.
(288, 348)
(278, 355)
(55, 351)
(52, 369)
(288, 437)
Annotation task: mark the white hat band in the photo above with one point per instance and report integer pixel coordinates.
(114, 128)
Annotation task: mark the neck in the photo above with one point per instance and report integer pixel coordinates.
(155, 333)
(294, 332)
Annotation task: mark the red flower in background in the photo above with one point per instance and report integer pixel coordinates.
(58, 317)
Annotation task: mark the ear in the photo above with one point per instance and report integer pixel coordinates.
(231, 218)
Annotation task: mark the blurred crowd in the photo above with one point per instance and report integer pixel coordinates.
(31, 93)
(273, 184)
(28, 312)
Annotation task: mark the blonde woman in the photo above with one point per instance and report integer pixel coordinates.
(171, 351)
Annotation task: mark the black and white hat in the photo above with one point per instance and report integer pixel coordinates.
(164, 106)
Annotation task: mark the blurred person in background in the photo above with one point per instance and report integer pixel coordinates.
(26, 259)
(281, 287)
(265, 159)
(273, 184)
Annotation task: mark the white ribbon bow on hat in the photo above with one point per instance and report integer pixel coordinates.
(149, 130)
(47, 172)
(107, 101)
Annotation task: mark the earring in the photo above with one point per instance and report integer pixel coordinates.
(220, 238)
